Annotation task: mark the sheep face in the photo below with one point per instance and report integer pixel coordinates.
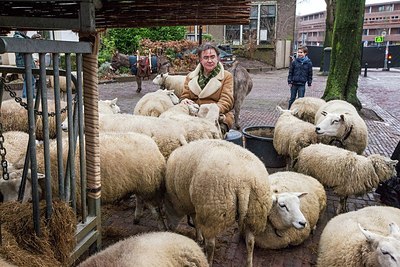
(172, 96)
(160, 79)
(109, 106)
(286, 211)
(385, 249)
(172, 217)
(330, 125)
(384, 167)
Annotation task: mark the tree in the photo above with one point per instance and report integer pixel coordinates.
(329, 22)
(346, 52)
(127, 40)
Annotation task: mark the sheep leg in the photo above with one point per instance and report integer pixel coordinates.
(342, 207)
(237, 114)
(138, 210)
(210, 246)
(199, 234)
(157, 214)
(249, 248)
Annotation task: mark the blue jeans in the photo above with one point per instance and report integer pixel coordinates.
(296, 90)
(24, 87)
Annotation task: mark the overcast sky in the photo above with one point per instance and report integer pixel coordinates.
(311, 6)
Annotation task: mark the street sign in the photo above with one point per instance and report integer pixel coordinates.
(379, 39)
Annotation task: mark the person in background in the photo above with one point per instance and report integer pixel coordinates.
(300, 73)
(210, 83)
(19, 61)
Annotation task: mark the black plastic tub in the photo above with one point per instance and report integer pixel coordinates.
(259, 140)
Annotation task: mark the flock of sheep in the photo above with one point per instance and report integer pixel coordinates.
(178, 165)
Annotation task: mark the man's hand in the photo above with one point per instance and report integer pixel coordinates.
(187, 101)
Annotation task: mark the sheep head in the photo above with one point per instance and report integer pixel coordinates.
(286, 211)
(331, 125)
(385, 250)
(385, 168)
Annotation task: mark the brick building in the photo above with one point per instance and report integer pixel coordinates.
(269, 34)
(381, 19)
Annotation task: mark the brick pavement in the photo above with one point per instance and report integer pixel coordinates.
(270, 89)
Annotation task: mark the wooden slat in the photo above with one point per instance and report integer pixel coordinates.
(123, 14)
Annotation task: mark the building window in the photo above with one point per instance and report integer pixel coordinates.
(261, 28)
(192, 32)
(385, 8)
(232, 34)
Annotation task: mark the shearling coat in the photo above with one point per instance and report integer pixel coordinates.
(218, 90)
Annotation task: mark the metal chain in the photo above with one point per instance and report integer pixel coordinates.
(25, 105)
(3, 153)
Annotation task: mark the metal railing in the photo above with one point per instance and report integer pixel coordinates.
(87, 229)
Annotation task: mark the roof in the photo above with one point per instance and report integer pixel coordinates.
(78, 15)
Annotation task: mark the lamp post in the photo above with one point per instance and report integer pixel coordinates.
(385, 62)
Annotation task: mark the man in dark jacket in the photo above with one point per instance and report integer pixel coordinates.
(300, 73)
(19, 61)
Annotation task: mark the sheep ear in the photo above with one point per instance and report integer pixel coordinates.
(278, 108)
(370, 236)
(341, 117)
(394, 228)
(114, 101)
(300, 194)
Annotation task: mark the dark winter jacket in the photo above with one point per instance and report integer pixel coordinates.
(300, 71)
(19, 57)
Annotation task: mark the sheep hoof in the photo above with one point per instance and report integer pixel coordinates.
(138, 90)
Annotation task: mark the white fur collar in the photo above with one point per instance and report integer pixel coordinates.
(211, 87)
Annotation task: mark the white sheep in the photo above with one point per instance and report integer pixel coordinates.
(305, 108)
(282, 230)
(150, 249)
(130, 163)
(291, 134)
(109, 106)
(343, 170)
(167, 133)
(170, 82)
(360, 238)
(104, 107)
(9, 188)
(203, 126)
(16, 145)
(217, 183)
(15, 118)
(338, 123)
(155, 103)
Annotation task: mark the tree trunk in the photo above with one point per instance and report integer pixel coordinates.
(346, 52)
(329, 21)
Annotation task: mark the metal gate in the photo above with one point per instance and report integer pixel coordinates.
(88, 228)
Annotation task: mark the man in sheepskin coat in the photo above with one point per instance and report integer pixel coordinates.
(210, 83)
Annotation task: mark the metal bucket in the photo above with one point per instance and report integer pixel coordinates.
(259, 140)
(234, 137)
